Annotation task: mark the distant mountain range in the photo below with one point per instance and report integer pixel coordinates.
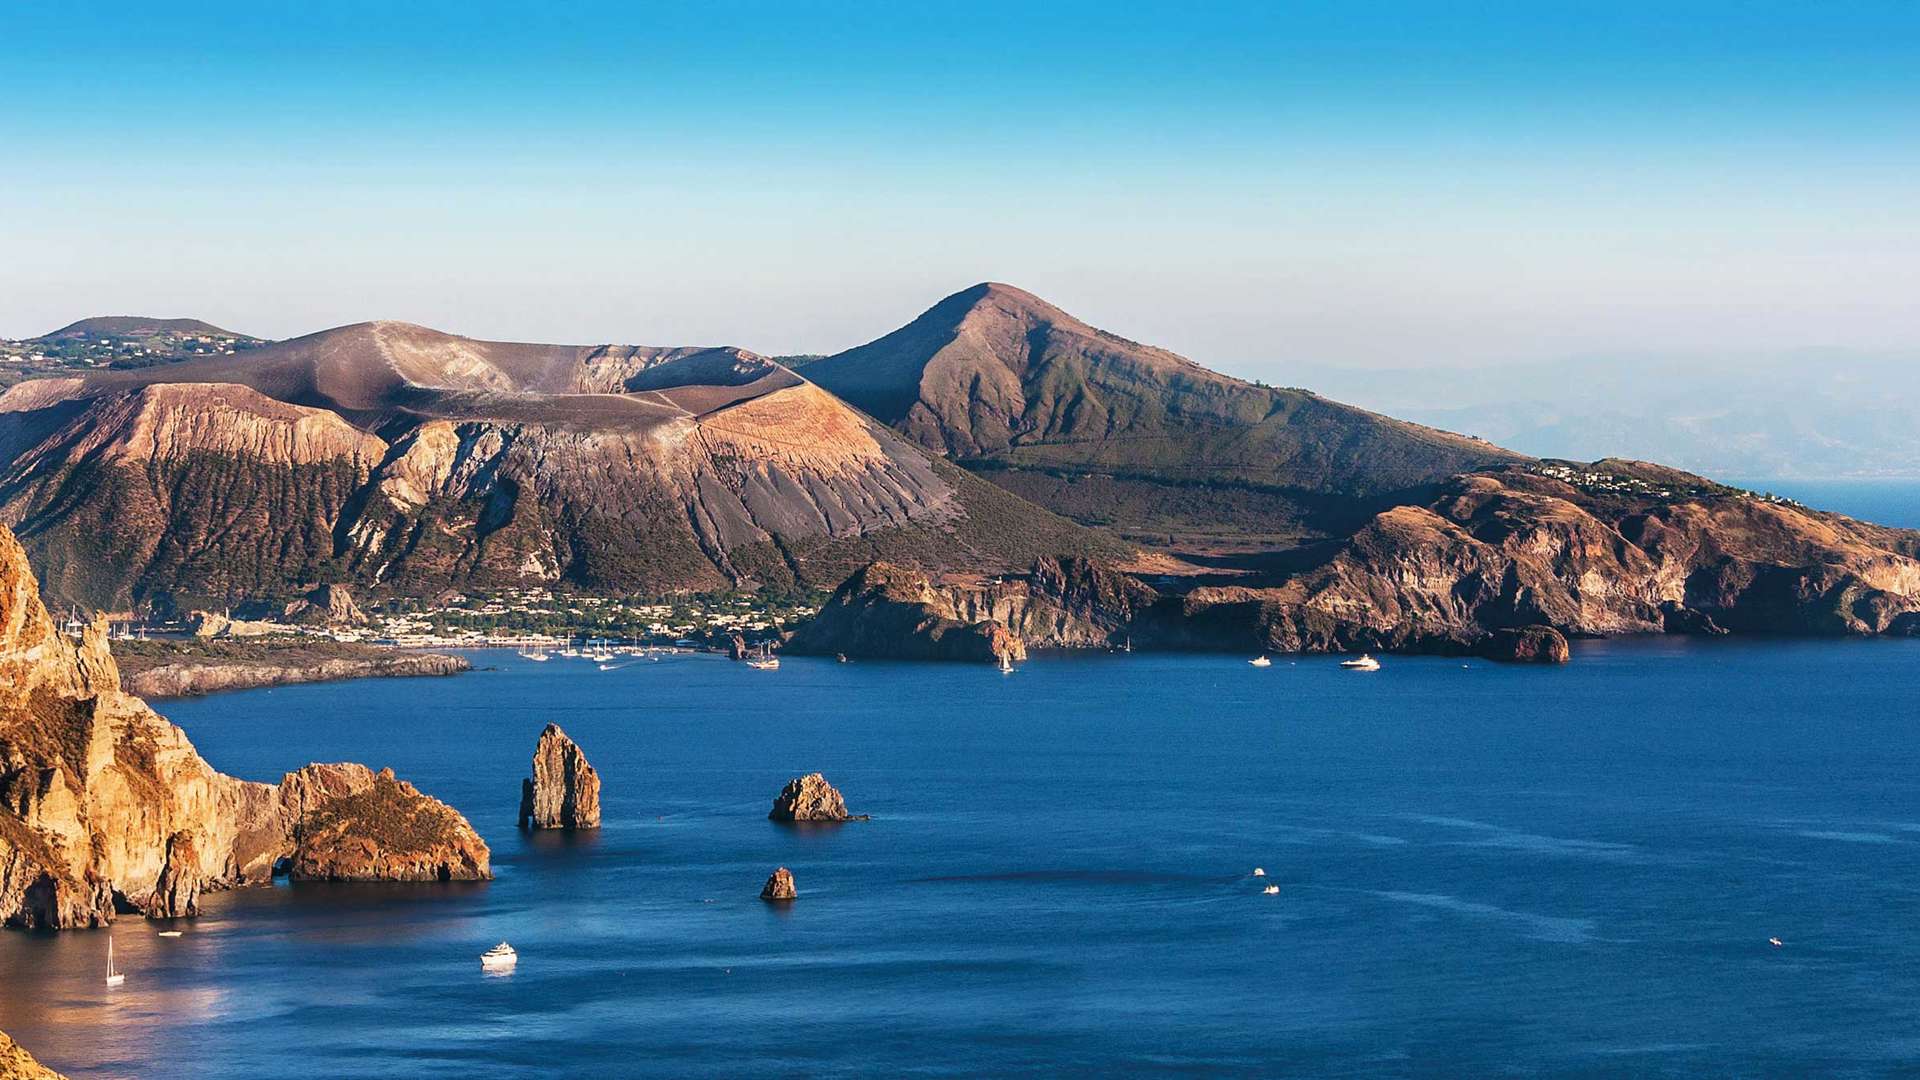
(1807, 415)
(1085, 484)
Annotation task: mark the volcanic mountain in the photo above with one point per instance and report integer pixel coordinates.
(1123, 434)
(414, 460)
(136, 326)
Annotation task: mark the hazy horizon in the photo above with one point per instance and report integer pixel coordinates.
(1255, 188)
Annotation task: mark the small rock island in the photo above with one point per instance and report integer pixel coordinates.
(564, 790)
(779, 887)
(811, 798)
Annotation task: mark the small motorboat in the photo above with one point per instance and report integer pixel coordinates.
(1271, 890)
(1775, 942)
(499, 958)
(1259, 872)
(114, 976)
(1364, 662)
(168, 933)
(1260, 661)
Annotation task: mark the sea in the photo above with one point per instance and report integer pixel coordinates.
(1884, 502)
(1482, 870)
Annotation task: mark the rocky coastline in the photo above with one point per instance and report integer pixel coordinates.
(1508, 564)
(189, 668)
(17, 1064)
(106, 809)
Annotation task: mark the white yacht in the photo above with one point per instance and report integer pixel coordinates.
(499, 958)
(1260, 661)
(1364, 662)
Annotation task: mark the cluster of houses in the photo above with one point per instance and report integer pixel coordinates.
(1603, 483)
(520, 618)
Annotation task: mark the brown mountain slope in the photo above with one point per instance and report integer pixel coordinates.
(997, 376)
(398, 456)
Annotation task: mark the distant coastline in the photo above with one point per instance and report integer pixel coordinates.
(173, 668)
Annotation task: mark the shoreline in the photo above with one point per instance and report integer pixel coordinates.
(159, 670)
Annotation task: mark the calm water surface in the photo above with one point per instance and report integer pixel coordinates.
(1484, 869)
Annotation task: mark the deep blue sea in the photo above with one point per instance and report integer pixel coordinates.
(1484, 869)
(1884, 502)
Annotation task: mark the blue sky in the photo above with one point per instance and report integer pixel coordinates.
(1254, 185)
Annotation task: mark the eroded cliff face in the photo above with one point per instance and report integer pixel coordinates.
(105, 807)
(1506, 564)
(897, 612)
(903, 612)
(1516, 548)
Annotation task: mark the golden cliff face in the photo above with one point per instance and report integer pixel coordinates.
(106, 808)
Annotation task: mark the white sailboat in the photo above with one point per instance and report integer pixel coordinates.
(766, 661)
(1006, 664)
(114, 978)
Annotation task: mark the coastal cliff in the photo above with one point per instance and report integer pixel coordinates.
(1638, 549)
(17, 1064)
(106, 808)
(1508, 563)
(902, 612)
(897, 612)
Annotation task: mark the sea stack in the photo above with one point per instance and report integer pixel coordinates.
(176, 895)
(564, 791)
(779, 887)
(809, 798)
(1527, 645)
